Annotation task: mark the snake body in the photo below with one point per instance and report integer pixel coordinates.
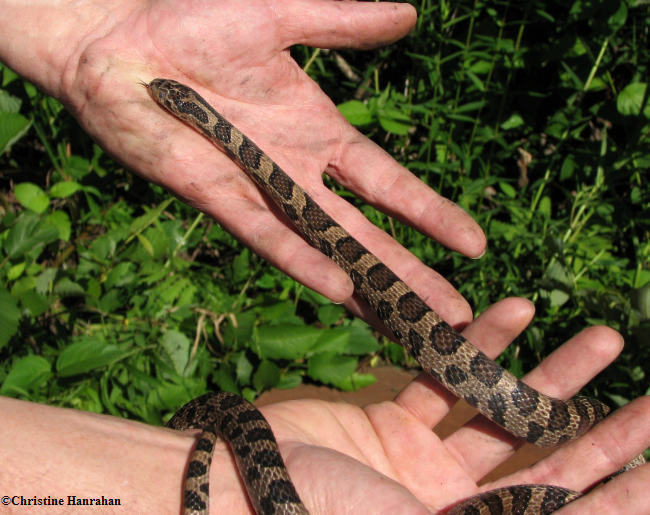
(441, 351)
(256, 452)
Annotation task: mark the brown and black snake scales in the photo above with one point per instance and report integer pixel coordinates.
(441, 351)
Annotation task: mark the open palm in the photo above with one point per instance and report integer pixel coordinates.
(386, 458)
(236, 55)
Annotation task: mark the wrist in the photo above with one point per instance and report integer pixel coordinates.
(61, 452)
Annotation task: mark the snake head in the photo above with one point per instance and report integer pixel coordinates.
(178, 99)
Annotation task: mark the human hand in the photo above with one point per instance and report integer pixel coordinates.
(382, 459)
(236, 55)
(386, 458)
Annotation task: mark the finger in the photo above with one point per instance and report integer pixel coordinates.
(601, 452)
(492, 331)
(368, 171)
(434, 289)
(334, 24)
(627, 493)
(481, 445)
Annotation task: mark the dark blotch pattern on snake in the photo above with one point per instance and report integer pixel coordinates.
(440, 350)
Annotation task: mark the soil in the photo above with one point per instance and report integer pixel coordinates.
(390, 381)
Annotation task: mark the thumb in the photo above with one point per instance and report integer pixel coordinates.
(343, 24)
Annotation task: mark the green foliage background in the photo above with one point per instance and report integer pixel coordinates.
(534, 116)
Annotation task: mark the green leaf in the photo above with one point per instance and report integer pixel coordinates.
(330, 313)
(361, 341)
(333, 340)
(266, 376)
(85, 355)
(244, 368)
(641, 301)
(630, 100)
(357, 381)
(13, 126)
(558, 298)
(9, 103)
(356, 112)
(142, 222)
(290, 380)
(177, 348)
(617, 20)
(122, 274)
(68, 288)
(61, 221)
(146, 244)
(27, 234)
(76, 166)
(515, 121)
(545, 207)
(26, 374)
(9, 316)
(35, 303)
(395, 121)
(16, 271)
(331, 368)
(285, 341)
(65, 189)
(557, 272)
(31, 196)
(508, 189)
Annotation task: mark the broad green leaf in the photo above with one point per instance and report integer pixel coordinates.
(65, 189)
(9, 316)
(76, 166)
(86, 354)
(225, 378)
(122, 274)
(356, 112)
(503, 230)
(68, 288)
(28, 233)
(361, 340)
(244, 368)
(13, 126)
(558, 298)
(16, 271)
(617, 20)
(630, 100)
(9, 103)
(357, 381)
(285, 341)
(177, 348)
(568, 167)
(331, 368)
(31, 196)
(508, 189)
(35, 303)
(330, 313)
(289, 380)
(26, 374)
(333, 340)
(394, 121)
(515, 121)
(557, 272)
(61, 221)
(545, 206)
(266, 376)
